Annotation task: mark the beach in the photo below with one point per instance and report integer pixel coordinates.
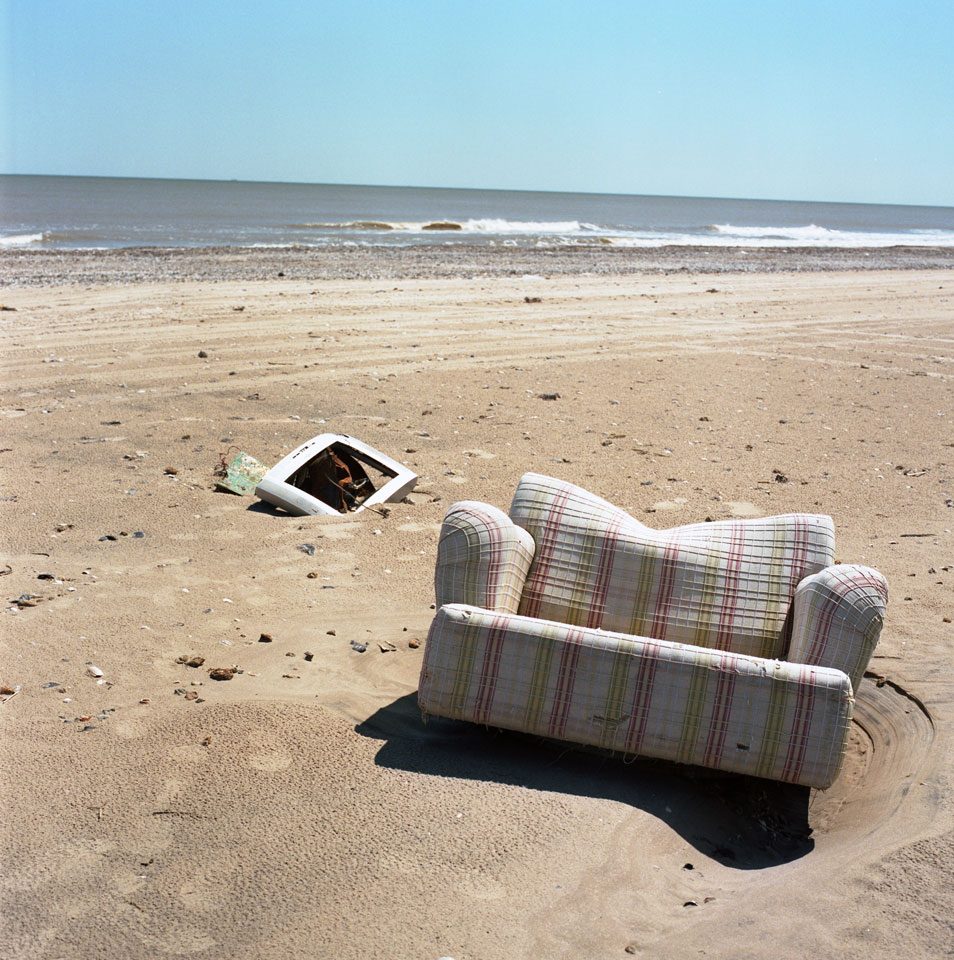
(303, 809)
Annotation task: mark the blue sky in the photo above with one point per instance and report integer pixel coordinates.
(850, 100)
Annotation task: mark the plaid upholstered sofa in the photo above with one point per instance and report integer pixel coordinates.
(735, 645)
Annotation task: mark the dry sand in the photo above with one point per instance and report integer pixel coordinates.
(302, 809)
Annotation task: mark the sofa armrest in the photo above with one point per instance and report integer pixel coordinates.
(837, 615)
(482, 558)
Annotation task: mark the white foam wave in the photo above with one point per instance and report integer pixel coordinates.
(21, 239)
(575, 232)
(497, 225)
(810, 232)
(812, 235)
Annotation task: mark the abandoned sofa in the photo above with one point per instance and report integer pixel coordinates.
(735, 645)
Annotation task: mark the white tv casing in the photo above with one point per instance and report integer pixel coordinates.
(275, 489)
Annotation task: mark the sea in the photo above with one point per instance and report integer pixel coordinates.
(47, 212)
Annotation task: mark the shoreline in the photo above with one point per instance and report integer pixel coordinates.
(128, 265)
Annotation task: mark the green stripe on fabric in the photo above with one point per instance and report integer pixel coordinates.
(705, 625)
(616, 700)
(647, 580)
(779, 598)
(538, 694)
(469, 639)
(695, 711)
(583, 590)
(772, 732)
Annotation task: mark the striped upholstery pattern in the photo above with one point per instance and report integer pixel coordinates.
(717, 709)
(837, 618)
(725, 585)
(482, 558)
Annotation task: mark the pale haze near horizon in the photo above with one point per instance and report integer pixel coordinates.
(850, 101)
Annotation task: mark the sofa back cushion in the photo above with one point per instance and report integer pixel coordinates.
(726, 585)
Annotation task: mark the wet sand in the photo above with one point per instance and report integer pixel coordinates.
(302, 809)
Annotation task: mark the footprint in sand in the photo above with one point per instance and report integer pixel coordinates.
(197, 894)
(336, 530)
(740, 508)
(270, 761)
(420, 528)
(180, 941)
(673, 504)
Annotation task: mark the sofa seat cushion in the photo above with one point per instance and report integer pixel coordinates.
(726, 585)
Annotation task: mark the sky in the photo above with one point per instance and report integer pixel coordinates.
(849, 100)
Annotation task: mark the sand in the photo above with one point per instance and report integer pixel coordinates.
(302, 809)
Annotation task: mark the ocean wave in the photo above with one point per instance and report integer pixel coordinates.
(21, 239)
(348, 225)
(496, 225)
(813, 235)
(484, 225)
(810, 232)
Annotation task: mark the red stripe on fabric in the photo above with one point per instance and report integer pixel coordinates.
(667, 579)
(730, 587)
(566, 678)
(543, 555)
(721, 709)
(608, 551)
(487, 686)
(801, 724)
(821, 624)
(494, 564)
(642, 696)
(797, 550)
